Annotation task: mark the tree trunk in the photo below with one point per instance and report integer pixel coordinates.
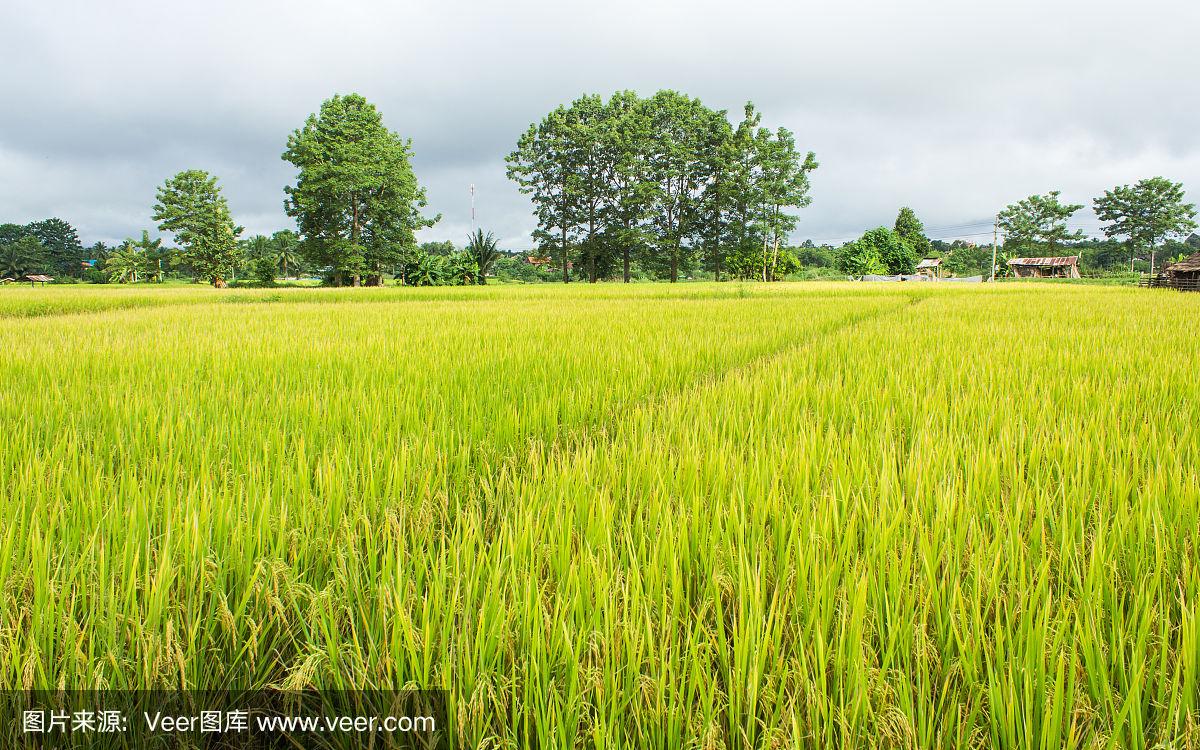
(565, 262)
(675, 264)
(625, 252)
(592, 248)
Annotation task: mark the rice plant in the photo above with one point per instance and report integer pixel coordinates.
(822, 515)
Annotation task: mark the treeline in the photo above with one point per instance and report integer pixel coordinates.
(49, 246)
(626, 187)
(664, 183)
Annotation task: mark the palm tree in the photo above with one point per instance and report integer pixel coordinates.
(26, 255)
(287, 249)
(482, 249)
(125, 263)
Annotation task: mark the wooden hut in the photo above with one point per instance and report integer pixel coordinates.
(930, 268)
(35, 278)
(1059, 267)
(1185, 274)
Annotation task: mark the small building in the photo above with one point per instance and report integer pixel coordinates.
(931, 267)
(1059, 267)
(34, 279)
(1185, 274)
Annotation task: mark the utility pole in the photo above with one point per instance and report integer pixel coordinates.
(472, 189)
(995, 235)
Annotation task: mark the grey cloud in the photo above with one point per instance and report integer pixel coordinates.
(953, 108)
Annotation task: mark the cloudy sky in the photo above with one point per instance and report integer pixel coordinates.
(955, 107)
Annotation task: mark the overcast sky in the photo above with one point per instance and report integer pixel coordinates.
(953, 107)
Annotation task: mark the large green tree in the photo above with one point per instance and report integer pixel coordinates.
(665, 181)
(1146, 214)
(912, 231)
(785, 186)
(191, 206)
(677, 172)
(1038, 225)
(543, 166)
(880, 250)
(63, 248)
(356, 199)
(626, 135)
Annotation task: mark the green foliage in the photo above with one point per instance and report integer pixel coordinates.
(64, 252)
(264, 268)
(911, 230)
(878, 251)
(286, 247)
(810, 255)
(663, 183)
(482, 249)
(125, 263)
(860, 258)
(444, 247)
(356, 198)
(191, 206)
(25, 254)
(966, 259)
(739, 515)
(1037, 225)
(1146, 213)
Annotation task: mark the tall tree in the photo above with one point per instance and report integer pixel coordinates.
(1038, 224)
(677, 170)
(586, 124)
(785, 186)
(356, 198)
(191, 206)
(63, 248)
(1146, 213)
(912, 231)
(543, 166)
(626, 140)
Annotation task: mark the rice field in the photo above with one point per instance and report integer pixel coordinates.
(704, 516)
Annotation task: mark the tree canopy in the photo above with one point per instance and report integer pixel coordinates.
(356, 199)
(664, 180)
(191, 206)
(878, 251)
(912, 231)
(1146, 213)
(1037, 225)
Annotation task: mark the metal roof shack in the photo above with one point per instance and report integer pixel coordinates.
(35, 278)
(1057, 267)
(931, 267)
